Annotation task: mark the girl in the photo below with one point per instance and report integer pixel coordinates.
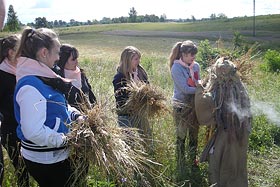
(41, 110)
(129, 69)
(9, 137)
(68, 68)
(185, 73)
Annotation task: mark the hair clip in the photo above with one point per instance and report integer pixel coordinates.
(31, 33)
(3, 41)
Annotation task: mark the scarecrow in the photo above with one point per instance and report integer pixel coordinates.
(222, 103)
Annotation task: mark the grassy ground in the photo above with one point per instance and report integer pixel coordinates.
(102, 54)
(99, 56)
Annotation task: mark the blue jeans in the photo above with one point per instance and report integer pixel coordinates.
(124, 121)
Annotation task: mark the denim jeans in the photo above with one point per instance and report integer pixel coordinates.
(124, 121)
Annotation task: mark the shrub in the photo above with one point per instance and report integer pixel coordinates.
(206, 53)
(272, 60)
(237, 40)
(276, 135)
(262, 136)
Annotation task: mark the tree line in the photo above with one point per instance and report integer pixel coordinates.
(13, 23)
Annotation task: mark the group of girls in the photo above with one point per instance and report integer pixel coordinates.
(42, 86)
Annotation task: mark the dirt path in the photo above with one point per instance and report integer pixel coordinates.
(211, 35)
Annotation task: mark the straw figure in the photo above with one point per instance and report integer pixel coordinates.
(222, 103)
(117, 151)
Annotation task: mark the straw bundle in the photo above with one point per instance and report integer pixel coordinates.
(245, 64)
(144, 100)
(116, 151)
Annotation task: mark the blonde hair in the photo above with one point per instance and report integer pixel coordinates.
(125, 62)
(179, 48)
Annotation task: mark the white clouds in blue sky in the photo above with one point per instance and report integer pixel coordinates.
(43, 4)
(83, 10)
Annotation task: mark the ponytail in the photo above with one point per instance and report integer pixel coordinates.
(25, 41)
(175, 54)
(33, 40)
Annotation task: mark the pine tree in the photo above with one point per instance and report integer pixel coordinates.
(13, 23)
(132, 15)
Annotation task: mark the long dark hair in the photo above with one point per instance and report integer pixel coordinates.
(65, 52)
(6, 44)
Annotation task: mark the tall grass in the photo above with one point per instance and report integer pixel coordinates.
(101, 69)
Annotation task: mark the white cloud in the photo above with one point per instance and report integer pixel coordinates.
(43, 4)
(83, 10)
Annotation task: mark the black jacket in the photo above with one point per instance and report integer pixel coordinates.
(7, 88)
(76, 96)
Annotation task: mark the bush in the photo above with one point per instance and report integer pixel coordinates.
(262, 135)
(276, 135)
(272, 60)
(206, 53)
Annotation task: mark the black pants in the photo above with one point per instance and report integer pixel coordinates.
(51, 175)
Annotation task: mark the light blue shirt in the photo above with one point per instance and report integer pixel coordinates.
(180, 75)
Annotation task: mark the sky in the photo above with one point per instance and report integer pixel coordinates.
(83, 10)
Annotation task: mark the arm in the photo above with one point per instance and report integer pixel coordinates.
(91, 95)
(181, 81)
(33, 116)
(73, 113)
(120, 91)
(196, 69)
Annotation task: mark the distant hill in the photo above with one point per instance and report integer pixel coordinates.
(267, 29)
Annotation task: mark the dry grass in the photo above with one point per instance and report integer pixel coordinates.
(145, 102)
(116, 151)
(145, 99)
(245, 64)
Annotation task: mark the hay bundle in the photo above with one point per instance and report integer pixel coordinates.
(245, 63)
(145, 101)
(116, 151)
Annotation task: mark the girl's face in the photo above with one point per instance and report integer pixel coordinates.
(188, 58)
(71, 64)
(12, 56)
(135, 61)
(53, 54)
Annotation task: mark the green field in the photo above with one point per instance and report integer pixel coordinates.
(100, 47)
